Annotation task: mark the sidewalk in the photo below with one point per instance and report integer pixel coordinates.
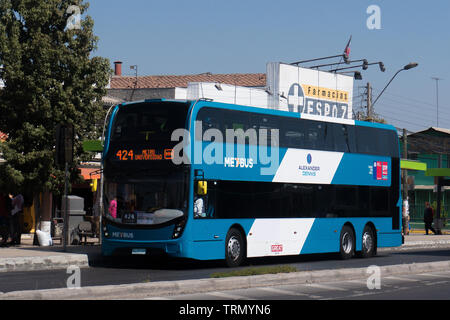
(27, 257)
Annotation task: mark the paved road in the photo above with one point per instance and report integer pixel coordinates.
(426, 286)
(144, 270)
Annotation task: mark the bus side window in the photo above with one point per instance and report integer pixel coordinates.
(292, 134)
(341, 138)
(269, 125)
(315, 135)
(209, 119)
(367, 141)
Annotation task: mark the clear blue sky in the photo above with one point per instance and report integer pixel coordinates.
(236, 36)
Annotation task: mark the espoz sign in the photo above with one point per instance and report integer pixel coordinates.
(309, 91)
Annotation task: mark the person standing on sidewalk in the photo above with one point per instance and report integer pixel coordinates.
(16, 213)
(428, 218)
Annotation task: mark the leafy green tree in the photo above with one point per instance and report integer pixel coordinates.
(50, 77)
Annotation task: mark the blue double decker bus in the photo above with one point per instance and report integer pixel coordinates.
(208, 180)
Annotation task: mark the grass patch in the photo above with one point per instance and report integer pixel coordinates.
(255, 271)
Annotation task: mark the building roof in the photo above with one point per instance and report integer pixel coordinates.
(173, 81)
(431, 130)
(430, 141)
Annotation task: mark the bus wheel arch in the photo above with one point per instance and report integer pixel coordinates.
(235, 246)
(347, 241)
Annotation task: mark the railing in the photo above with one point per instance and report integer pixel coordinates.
(416, 216)
(416, 212)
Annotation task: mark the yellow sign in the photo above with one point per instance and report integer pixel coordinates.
(325, 93)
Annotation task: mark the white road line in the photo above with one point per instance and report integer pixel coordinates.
(326, 287)
(158, 298)
(435, 275)
(228, 295)
(281, 291)
(436, 283)
(358, 281)
(402, 279)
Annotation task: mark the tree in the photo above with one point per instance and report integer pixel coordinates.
(49, 78)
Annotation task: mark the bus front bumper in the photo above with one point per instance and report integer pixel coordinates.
(168, 247)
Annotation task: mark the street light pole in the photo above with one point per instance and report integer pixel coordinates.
(437, 99)
(407, 67)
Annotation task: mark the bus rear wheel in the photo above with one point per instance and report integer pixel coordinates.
(347, 243)
(368, 243)
(234, 248)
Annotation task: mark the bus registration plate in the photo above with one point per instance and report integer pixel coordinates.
(138, 251)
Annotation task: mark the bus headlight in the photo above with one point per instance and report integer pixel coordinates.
(179, 227)
(105, 231)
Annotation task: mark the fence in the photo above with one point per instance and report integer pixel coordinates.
(416, 215)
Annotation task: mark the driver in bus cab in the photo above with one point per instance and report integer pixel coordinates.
(203, 206)
(199, 207)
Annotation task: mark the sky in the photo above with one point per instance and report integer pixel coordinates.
(176, 37)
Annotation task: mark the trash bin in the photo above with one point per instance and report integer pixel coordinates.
(75, 206)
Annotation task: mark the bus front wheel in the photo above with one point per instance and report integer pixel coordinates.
(234, 248)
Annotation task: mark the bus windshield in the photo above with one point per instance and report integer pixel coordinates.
(147, 121)
(145, 200)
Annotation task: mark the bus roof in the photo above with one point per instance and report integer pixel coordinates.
(210, 103)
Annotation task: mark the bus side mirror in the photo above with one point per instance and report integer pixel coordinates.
(202, 188)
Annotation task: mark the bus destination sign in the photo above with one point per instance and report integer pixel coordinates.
(144, 154)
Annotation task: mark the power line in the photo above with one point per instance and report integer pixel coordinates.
(409, 105)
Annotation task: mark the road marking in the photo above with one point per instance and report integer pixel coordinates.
(326, 287)
(358, 281)
(402, 279)
(158, 298)
(282, 291)
(434, 275)
(228, 296)
(436, 283)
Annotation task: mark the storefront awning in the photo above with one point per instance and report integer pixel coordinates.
(413, 165)
(438, 172)
(90, 173)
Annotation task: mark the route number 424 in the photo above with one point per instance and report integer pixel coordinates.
(125, 154)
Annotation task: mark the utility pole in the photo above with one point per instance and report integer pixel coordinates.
(437, 99)
(369, 102)
(404, 171)
(405, 184)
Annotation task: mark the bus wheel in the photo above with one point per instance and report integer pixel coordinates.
(368, 243)
(347, 243)
(234, 248)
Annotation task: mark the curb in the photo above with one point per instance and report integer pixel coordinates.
(167, 288)
(426, 243)
(43, 263)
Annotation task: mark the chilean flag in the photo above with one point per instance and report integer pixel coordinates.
(380, 170)
(347, 51)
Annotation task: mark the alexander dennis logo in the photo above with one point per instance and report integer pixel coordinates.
(308, 170)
